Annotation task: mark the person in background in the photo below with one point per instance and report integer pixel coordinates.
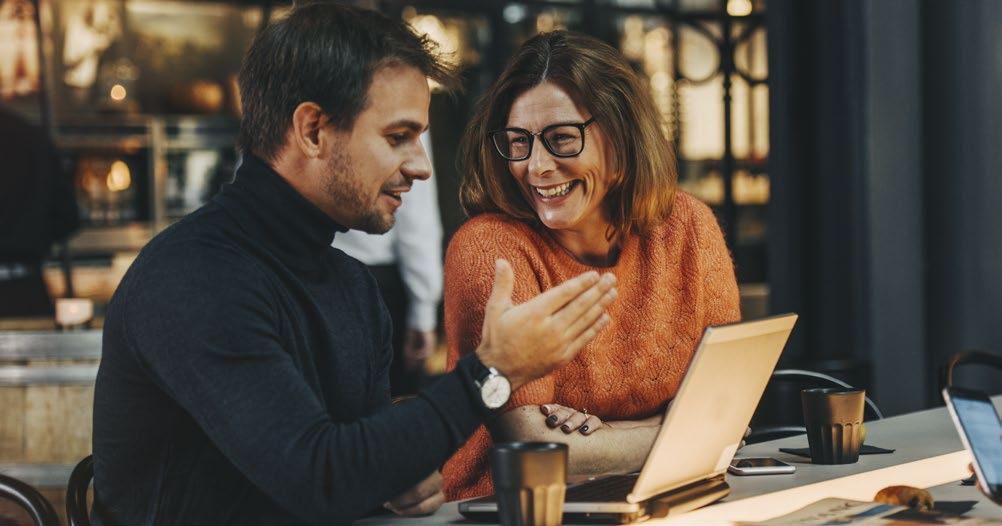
(566, 168)
(37, 209)
(407, 265)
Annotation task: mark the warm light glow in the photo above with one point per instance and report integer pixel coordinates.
(632, 42)
(118, 92)
(545, 23)
(739, 7)
(119, 177)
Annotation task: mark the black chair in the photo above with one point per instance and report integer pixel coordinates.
(76, 492)
(40, 509)
(778, 414)
(972, 357)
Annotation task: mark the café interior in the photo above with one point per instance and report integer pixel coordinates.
(848, 149)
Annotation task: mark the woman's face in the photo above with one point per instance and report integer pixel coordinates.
(566, 192)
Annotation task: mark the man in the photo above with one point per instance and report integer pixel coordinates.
(244, 375)
(407, 265)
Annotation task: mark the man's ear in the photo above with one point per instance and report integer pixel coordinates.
(308, 120)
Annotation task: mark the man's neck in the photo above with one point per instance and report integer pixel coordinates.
(296, 172)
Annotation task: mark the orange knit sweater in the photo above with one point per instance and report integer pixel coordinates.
(672, 284)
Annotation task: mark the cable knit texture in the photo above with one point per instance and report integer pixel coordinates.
(672, 284)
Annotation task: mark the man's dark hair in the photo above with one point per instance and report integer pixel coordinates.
(323, 53)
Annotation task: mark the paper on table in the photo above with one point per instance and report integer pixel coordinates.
(842, 512)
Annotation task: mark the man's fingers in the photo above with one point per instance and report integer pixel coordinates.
(589, 317)
(504, 283)
(417, 494)
(582, 304)
(554, 299)
(425, 507)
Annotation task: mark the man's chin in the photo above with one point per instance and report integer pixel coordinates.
(376, 224)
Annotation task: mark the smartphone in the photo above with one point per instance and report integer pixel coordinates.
(760, 466)
(980, 430)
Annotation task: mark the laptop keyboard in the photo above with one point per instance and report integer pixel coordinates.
(613, 488)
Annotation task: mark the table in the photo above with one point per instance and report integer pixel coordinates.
(928, 454)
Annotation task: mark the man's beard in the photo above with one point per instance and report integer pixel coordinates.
(343, 186)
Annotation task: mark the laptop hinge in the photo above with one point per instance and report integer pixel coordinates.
(688, 497)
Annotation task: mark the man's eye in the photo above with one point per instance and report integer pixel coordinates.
(397, 138)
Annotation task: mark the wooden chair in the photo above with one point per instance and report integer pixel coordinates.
(26, 496)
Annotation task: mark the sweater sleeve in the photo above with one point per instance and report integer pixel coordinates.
(219, 356)
(721, 299)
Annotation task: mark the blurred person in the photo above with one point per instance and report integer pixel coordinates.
(89, 33)
(244, 374)
(566, 168)
(407, 265)
(37, 209)
(18, 49)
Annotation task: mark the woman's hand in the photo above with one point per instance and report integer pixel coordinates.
(570, 420)
(982, 488)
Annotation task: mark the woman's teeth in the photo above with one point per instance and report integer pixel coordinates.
(555, 191)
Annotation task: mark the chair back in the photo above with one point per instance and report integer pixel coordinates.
(76, 492)
(970, 357)
(779, 413)
(26, 496)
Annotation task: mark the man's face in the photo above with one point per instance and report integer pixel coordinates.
(369, 167)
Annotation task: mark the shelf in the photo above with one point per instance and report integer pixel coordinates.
(103, 240)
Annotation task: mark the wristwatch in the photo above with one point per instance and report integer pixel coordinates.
(495, 389)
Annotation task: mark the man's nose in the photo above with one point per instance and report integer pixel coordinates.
(418, 166)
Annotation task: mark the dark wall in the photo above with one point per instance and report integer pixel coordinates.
(886, 167)
(963, 178)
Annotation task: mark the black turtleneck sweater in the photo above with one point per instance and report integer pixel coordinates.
(244, 378)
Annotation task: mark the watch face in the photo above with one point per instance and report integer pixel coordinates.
(495, 391)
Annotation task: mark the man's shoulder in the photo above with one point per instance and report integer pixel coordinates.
(197, 246)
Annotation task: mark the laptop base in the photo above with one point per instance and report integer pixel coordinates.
(675, 502)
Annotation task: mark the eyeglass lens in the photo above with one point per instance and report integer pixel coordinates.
(559, 140)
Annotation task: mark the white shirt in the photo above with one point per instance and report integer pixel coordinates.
(414, 243)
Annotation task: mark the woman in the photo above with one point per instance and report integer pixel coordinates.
(567, 169)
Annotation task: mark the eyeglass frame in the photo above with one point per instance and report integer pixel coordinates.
(532, 139)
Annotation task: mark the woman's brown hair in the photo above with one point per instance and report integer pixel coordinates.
(598, 79)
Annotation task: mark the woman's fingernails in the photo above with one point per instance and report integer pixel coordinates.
(584, 429)
(552, 419)
(565, 428)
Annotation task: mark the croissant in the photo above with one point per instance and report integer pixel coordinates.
(917, 498)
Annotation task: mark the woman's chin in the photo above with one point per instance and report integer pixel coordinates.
(556, 223)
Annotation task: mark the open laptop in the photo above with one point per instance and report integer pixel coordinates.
(701, 431)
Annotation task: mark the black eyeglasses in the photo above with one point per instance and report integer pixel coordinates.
(562, 140)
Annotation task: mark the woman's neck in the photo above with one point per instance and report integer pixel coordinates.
(591, 245)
